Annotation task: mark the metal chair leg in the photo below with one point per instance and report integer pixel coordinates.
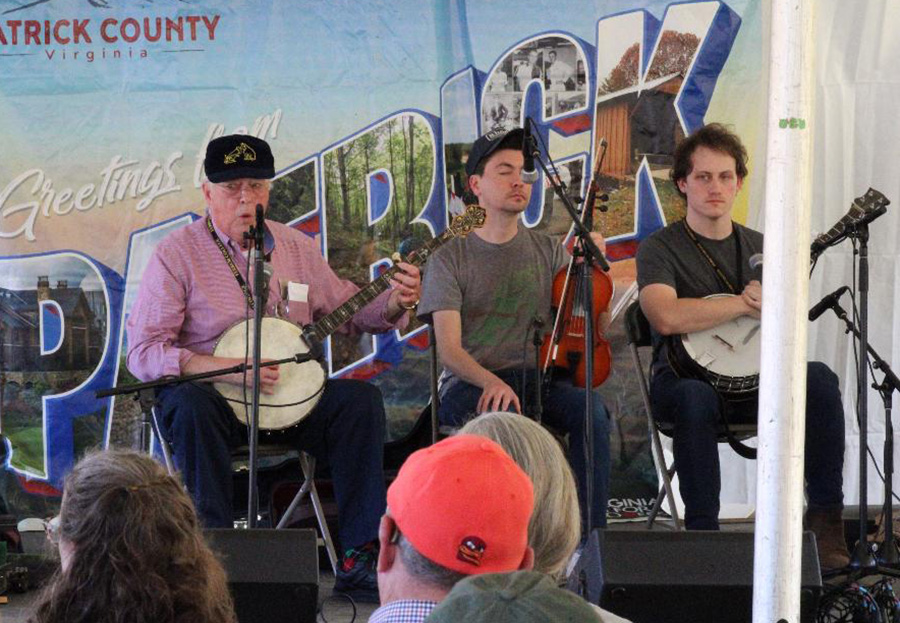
(665, 490)
(308, 465)
(657, 506)
(163, 444)
(665, 474)
(656, 449)
(433, 384)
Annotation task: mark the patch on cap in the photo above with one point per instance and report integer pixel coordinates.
(471, 550)
(495, 134)
(242, 152)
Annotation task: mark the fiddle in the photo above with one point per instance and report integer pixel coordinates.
(564, 347)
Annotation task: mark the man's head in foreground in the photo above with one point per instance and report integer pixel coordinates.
(460, 507)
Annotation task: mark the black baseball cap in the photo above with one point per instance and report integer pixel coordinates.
(238, 156)
(488, 143)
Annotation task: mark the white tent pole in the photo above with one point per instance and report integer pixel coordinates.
(782, 396)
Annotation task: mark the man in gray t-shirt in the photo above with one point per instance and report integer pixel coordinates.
(669, 257)
(708, 253)
(497, 290)
(486, 295)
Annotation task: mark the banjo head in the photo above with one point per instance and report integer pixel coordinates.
(297, 383)
(728, 354)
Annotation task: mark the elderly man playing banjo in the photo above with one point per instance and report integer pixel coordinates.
(196, 286)
(679, 269)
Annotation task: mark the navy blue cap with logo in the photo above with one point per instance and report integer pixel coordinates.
(238, 156)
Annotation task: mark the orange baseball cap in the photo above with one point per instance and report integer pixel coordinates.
(464, 504)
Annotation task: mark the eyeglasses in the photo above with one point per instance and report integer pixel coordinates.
(51, 529)
(252, 187)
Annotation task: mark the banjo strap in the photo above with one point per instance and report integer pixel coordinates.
(742, 449)
(738, 259)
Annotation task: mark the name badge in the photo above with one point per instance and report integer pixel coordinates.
(298, 292)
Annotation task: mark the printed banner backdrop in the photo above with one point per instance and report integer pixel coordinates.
(370, 108)
(108, 109)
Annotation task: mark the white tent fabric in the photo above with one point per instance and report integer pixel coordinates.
(856, 145)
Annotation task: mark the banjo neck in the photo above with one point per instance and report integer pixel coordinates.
(472, 218)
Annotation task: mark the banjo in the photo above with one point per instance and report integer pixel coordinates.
(727, 355)
(300, 386)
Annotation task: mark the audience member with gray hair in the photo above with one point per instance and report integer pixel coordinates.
(555, 528)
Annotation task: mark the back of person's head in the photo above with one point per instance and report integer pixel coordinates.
(461, 507)
(555, 527)
(520, 597)
(133, 548)
(716, 137)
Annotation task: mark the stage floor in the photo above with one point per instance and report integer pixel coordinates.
(335, 610)
(338, 610)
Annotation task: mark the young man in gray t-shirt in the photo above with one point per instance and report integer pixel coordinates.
(707, 253)
(486, 294)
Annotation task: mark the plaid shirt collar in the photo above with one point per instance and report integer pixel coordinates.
(403, 611)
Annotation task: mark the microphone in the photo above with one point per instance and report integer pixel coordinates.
(257, 255)
(756, 260)
(827, 303)
(817, 247)
(260, 227)
(864, 210)
(267, 272)
(537, 326)
(529, 174)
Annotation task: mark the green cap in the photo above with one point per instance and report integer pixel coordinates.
(519, 597)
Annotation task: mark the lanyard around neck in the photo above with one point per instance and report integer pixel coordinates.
(234, 270)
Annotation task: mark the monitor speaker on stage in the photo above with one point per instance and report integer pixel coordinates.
(696, 577)
(273, 575)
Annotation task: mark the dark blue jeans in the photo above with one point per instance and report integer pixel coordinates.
(346, 428)
(563, 409)
(693, 408)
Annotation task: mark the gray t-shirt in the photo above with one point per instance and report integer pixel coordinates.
(498, 290)
(670, 257)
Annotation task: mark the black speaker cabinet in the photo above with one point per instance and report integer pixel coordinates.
(273, 575)
(681, 577)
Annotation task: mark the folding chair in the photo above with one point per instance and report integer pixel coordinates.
(438, 431)
(637, 331)
(272, 456)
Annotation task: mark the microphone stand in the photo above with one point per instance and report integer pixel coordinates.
(588, 251)
(862, 556)
(260, 298)
(144, 390)
(537, 341)
(887, 559)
